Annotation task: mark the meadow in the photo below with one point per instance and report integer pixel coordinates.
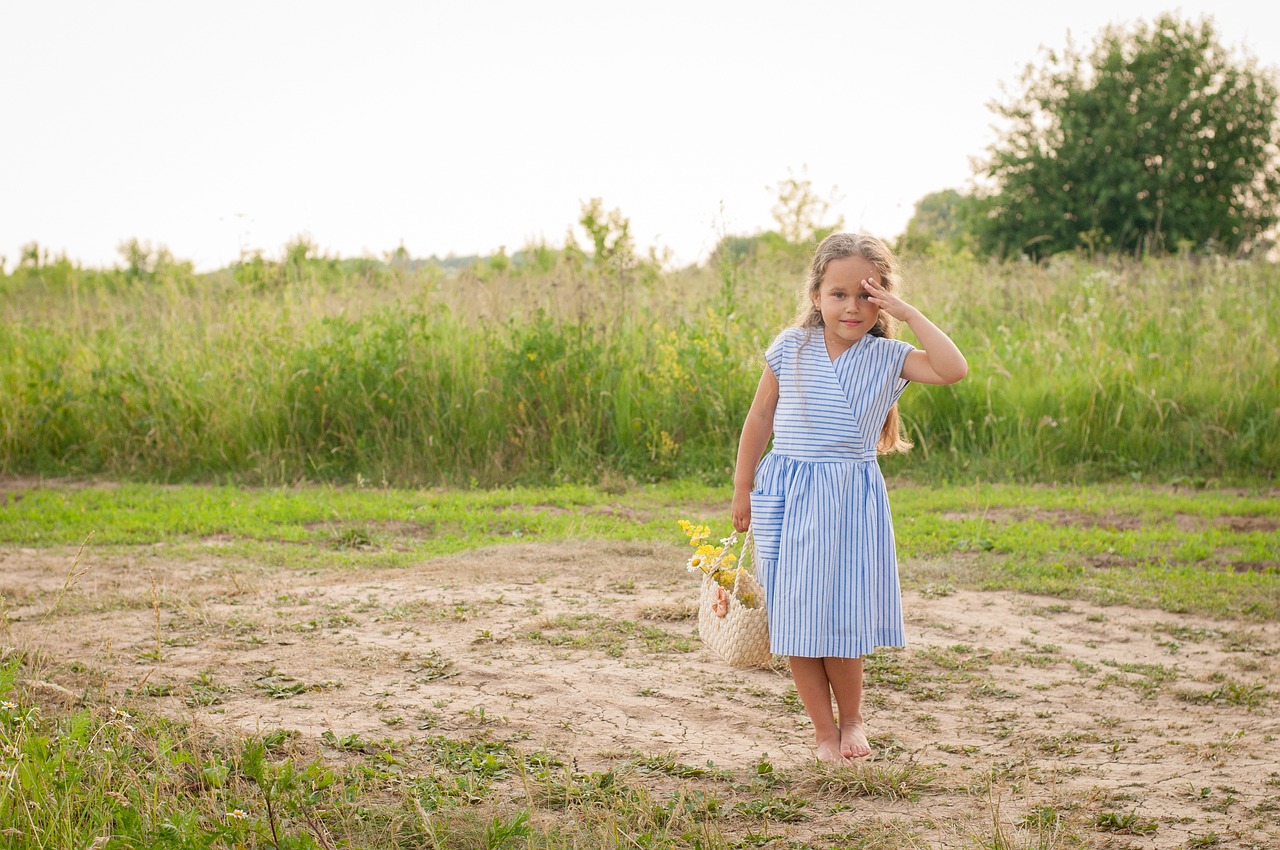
(320, 553)
(203, 666)
(561, 369)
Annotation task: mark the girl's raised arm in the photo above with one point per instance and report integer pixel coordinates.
(938, 360)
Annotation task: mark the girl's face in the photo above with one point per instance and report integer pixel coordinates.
(847, 314)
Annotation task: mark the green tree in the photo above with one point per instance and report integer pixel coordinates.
(1158, 138)
(940, 218)
(610, 234)
(799, 210)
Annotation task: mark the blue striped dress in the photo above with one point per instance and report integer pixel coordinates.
(820, 512)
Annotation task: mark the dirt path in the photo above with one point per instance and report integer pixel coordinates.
(1116, 720)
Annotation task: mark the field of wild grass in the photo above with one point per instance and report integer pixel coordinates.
(566, 370)
(567, 381)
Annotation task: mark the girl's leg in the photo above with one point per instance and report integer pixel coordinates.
(814, 688)
(845, 676)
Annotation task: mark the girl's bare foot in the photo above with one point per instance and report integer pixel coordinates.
(853, 740)
(828, 752)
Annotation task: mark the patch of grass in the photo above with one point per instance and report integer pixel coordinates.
(279, 686)
(1252, 696)
(1065, 744)
(959, 658)
(903, 780)
(568, 790)
(203, 690)
(1042, 828)
(352, 538)
(1045, 540)
(784, 809)
(675, 611)
(329, 622)
(613, 637)
(432, 666)
(71, 776)
(1124, 823)
(671, 766)
(871, 833)
(1041, 817)
(989, 690)
(898, 670)
(489, 759)
(790, 700)
(1146, 678)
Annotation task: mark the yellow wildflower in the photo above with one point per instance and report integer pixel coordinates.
(716, 561)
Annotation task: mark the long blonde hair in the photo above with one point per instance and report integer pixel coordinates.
(838, 246)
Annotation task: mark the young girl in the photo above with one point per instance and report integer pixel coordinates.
(819, 511)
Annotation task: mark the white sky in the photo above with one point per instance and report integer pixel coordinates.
(464, 126)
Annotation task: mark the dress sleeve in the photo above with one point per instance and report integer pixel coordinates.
(897, 357)
(773, 356)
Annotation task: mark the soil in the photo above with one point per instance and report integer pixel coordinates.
(589, 651)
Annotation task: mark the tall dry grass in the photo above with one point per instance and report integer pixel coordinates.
(556, 370)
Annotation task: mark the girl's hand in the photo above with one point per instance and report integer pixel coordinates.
(890, 303)
(741, 510)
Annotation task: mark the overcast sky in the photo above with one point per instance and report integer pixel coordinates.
(216, 128)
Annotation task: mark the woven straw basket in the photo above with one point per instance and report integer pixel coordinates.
(740, 637)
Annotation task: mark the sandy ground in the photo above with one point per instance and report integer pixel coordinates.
(590, 652)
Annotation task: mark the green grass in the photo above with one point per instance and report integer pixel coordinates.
(1159, 371)
(1204, 551)
(70, 777)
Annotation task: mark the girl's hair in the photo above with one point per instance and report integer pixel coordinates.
(838, 246)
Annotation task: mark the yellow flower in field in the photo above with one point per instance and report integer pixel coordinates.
(238, 814)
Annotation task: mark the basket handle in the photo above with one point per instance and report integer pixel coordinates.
(748, 553)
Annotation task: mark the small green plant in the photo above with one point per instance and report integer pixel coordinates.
(279, 686)
(204, 691)
(1251, 697)
(346, 742)
(1125, 823)
(1041, 817)
(785, 809)
(357, 539)
(669, 765)
(498, 833)
(432, 666)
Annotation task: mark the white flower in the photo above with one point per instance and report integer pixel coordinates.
(238, 814)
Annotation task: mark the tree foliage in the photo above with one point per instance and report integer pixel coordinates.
(800, 210)
(940, 218)
(1158, 138)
